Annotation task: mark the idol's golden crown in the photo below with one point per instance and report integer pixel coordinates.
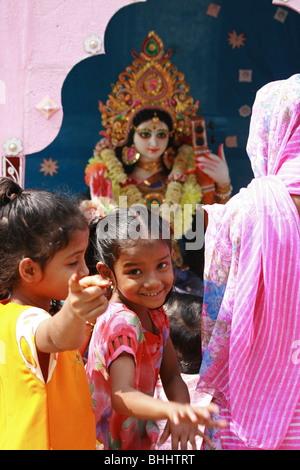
(150, 82)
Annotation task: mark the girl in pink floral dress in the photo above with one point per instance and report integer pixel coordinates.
(130, 345)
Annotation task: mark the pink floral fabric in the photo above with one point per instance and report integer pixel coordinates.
(118, 330)
(251, 310)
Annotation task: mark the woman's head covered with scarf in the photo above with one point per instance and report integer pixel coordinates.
(251, 309)
(273, 143)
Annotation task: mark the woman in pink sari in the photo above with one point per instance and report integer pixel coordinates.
(251, 310)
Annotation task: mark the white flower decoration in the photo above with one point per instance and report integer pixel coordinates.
(92, 43)
(13, 146)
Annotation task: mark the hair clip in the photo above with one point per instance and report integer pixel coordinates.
(13, 196)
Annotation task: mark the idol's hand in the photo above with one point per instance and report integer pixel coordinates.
(215, 166)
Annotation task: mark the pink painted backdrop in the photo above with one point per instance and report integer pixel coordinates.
(41, 40)
(294, 4)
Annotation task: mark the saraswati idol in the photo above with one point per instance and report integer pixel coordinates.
(154, 147)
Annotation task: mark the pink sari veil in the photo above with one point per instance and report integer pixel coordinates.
(252, 267)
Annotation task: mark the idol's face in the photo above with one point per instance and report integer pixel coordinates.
(151, 139)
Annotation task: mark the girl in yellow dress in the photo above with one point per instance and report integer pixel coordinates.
(45, 402)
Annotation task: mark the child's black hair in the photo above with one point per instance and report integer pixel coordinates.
(185, 313)
(110, 235)
(34, 224)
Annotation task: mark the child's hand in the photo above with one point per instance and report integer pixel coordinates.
(182, 434)
(65, 330)
(87, 296)
(195, 415)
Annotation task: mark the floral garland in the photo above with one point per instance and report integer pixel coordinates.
(97, 208)
(182, 190)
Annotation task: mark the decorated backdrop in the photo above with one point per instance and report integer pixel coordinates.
(226, 49)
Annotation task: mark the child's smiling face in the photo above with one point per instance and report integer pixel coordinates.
(144, 274)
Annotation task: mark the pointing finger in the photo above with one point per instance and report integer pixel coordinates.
(95, 280)
(74, 285)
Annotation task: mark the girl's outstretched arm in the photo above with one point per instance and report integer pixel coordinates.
(175, 388)
(125, 398)
(129, 401)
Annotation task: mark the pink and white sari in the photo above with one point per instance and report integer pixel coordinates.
(251, 310)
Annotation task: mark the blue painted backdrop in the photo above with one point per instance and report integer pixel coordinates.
(201, 50)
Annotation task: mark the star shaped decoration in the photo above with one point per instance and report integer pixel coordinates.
(236, 40)
(49, 167)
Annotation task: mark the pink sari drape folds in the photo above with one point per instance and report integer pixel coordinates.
(251, 312)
